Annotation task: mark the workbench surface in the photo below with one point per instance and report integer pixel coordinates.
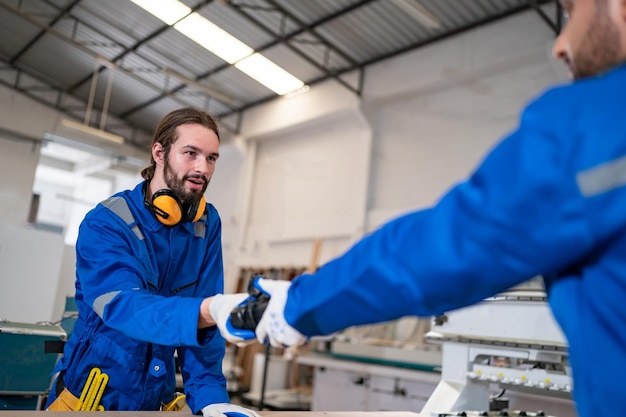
(14, 413)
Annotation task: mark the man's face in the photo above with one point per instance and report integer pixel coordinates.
(190, 164)
(590, 42)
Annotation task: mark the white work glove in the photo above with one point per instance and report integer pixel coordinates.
(220, 308)
(227, 410)
(273, 328)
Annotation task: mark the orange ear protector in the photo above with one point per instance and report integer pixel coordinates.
(170, 211)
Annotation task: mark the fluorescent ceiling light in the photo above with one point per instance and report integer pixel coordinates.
(91, 131)
(269, 74)
(169, 11)
(222, 44)
(213, 38)
(420, 13)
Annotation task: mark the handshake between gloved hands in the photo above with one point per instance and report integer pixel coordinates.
(258, 314)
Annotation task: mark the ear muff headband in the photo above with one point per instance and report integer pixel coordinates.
(169, 210)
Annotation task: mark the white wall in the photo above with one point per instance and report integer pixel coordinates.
(67, 276)
(18, 161)
(225, 193)
(456, 99)
(308, 184)
(30, 261)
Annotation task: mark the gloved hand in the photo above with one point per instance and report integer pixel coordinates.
(220, 308)
(273, 328)
(227, 410)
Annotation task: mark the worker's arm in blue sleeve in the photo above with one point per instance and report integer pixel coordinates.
(518, 215)
(115, 271)
(201, 369)
(201, 366)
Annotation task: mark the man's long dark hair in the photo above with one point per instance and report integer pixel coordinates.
(165, 132)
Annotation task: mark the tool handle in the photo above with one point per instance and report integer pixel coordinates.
(246, 316)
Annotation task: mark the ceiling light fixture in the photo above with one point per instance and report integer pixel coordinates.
(221, 43)
(84, 132)
(213, 38)
(169, 11)
(269, 74)
(90, 131)
(420, 13)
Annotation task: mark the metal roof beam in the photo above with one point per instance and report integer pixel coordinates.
(137, 44)
(260, 49)
(42, 32)
(303, 29)
(555, 26)
(408, 48)
(83, 48)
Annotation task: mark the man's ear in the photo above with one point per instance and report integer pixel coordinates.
(158, 154)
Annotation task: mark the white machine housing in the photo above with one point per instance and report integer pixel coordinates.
(510, 341)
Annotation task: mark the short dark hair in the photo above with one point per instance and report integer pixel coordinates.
(165, 132)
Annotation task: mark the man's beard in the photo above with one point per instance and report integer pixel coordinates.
(177, 185)
(600, 49)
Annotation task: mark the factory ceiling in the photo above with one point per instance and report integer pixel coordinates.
(111, 65)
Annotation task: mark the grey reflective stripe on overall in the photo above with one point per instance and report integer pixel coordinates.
(601, 178)
(102, 301)
(120, 207)
(199, 227)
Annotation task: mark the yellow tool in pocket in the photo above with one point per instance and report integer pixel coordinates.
(176, 404)
(90, 397)
(93, 390)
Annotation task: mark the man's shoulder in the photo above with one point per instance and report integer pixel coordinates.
(113, 204)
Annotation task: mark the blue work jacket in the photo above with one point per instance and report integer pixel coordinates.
(139, 285)
(549, 199)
